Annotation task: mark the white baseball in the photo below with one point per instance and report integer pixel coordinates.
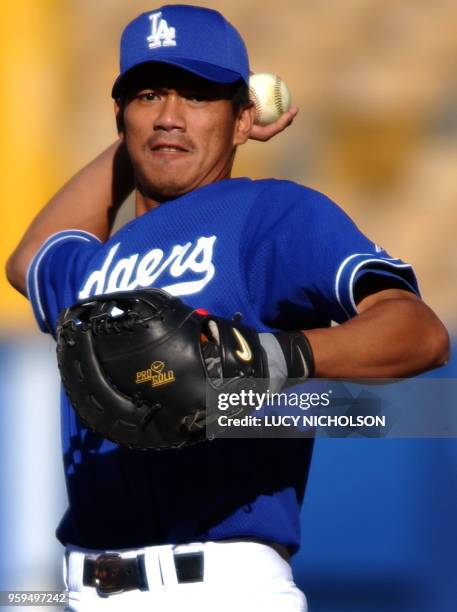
(270, 95)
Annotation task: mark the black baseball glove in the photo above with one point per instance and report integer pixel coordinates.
(138, 366)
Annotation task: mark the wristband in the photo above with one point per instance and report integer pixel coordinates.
(298, 354)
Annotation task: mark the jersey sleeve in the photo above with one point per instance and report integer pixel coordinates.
(311, 256)
(55, 272)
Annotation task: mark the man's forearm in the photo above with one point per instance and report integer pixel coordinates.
(88, 201)
(392, 338)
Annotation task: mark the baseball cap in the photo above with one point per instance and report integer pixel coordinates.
(193, 38)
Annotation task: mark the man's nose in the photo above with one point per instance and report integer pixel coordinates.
(171, 115)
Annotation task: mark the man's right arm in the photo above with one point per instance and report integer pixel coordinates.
(88, 201)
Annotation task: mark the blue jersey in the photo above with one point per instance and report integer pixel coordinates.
(284, 256)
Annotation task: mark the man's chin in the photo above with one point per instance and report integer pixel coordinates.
(163, 191)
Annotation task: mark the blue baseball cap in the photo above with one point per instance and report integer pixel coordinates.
(193, 38)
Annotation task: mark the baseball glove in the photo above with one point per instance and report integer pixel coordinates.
(138, 366)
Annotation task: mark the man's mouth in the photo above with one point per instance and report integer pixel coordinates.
(164, 147)
(167, 149)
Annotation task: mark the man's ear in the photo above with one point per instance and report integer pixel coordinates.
(244, 123)
(119, 114)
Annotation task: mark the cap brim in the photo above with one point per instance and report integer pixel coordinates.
(201, 69)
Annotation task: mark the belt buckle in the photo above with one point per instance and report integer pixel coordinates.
(189, 566)
(108, 573)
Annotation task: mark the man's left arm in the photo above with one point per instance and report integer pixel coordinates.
(394, 335)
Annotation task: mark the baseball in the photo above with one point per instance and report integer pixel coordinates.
(270, 95)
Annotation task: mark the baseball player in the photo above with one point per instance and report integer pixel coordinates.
(213, 525)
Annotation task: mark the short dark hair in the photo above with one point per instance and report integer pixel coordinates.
(240, 97)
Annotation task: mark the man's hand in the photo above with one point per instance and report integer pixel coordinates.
(265, 132)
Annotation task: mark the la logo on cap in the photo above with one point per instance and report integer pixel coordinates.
(161, 35)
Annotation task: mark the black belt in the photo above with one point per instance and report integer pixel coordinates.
(111, 574)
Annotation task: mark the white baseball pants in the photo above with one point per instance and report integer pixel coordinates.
(237, 576)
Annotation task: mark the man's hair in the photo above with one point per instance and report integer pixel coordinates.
(240, 97)
(238, 94)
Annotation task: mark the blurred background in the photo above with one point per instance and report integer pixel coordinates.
(377, 131)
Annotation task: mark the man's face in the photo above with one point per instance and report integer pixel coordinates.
(180, 131)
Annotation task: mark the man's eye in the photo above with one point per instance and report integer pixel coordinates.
(147, 96)
(196, 98)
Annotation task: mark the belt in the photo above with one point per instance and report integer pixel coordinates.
(111, 574)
